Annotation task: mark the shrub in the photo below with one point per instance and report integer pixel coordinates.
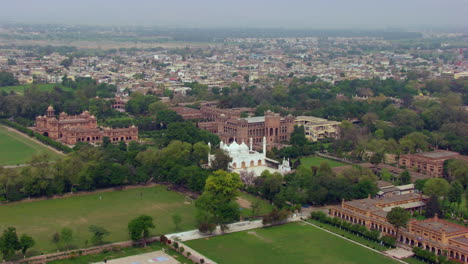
(181, 249)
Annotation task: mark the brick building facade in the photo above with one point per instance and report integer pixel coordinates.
(434, 234)
(71, 129)
(430, 163)
(228, 125)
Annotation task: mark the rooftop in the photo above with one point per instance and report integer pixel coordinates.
(438, 154)
(440, 225)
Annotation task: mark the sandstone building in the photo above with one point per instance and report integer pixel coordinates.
(318, 128)
(430, 163)
(433, 234)
(71, 129)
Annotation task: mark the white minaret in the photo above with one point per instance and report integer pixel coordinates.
(250, 141)
(209, 151)
(264, 146)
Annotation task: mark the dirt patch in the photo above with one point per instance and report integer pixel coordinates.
(243, 203)
(253, 233)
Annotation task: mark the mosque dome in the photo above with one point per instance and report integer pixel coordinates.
(243, 148)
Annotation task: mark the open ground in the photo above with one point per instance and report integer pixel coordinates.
(111, 210)
(315, 161)
(290, 243)
(41, 87)
(17, 148)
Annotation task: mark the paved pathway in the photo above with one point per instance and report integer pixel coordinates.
(152, 257)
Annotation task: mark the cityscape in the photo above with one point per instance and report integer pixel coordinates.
(205, 133)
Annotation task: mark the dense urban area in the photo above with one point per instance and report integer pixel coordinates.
(122, 141)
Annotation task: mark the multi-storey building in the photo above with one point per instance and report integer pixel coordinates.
(71, 129)
(430, 163)
(318, 128)
(229, 126)
(434, 234)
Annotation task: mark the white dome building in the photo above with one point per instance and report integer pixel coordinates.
(244, 158)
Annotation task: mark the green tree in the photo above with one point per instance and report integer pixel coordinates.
(66, 236)
(433, 207)
(139, 228)
(455, 193)
(217, 200)
(398, 217)
(221, 160)
(405, 177)
(298, 136)
(26, 242)
(436, 187)
(176, 219)
(98, 234)
(9, 243)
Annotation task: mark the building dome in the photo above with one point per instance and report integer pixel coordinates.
(50, 108)
(243, 148)
(234, 147)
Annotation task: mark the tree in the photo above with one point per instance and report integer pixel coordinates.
(7, 79)
(436, 187)
(405, 177)
(139, 228)
(98, 234)
(433, 207)
(298, 136)
(66, 235)
(398, 217)
(217, 201)
(176, 219)
(455, 193)
(56, 239)
(255, 207)
(221, 160)
(26, 242)
(9, 242)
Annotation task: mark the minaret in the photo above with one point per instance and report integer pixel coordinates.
(250, 141)
(264, 146)
(209, 151)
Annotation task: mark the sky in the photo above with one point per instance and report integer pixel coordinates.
(314, 14)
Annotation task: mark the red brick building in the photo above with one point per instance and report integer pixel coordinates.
(71, 129)
(430, 163)
(228, 125)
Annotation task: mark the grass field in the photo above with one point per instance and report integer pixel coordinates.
(290, 243)
(41, 87)
(41, 219)
(315, 161)
(18, 149)
(264, 206)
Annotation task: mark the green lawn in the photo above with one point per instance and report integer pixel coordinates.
(290, 243)
(18, 149)
(315, 161)
(42, 87)
(265, 206)
(43, 218)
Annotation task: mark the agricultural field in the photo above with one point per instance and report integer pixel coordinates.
(41, 87)
(17, 148)
(315, 161)
(111, 210)
(290, 243)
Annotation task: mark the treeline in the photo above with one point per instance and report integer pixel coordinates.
(46, 140)
(361, 230)
(316, 185)
(89, 168)
(7, 79)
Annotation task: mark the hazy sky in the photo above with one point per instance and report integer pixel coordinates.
(240, 13)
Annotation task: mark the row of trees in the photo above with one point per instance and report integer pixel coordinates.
(10, 243)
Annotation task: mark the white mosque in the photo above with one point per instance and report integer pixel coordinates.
(244, 158)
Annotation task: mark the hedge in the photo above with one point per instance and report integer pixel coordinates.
(42, 138)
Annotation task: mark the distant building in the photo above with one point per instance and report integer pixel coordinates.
(387, 189)
(228, 125)
(71, 129)
(430, 163)
(118, 103)
(245, 158)
(188, 113)
(318, 128)
(434, 234)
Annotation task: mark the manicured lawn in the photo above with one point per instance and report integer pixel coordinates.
(41, 219)
(18, 149)
(290, 243)
(315, 161)
(41, 87)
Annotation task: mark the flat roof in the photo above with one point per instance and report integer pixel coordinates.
(439, 154)
(440, 225)
(255, 119)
